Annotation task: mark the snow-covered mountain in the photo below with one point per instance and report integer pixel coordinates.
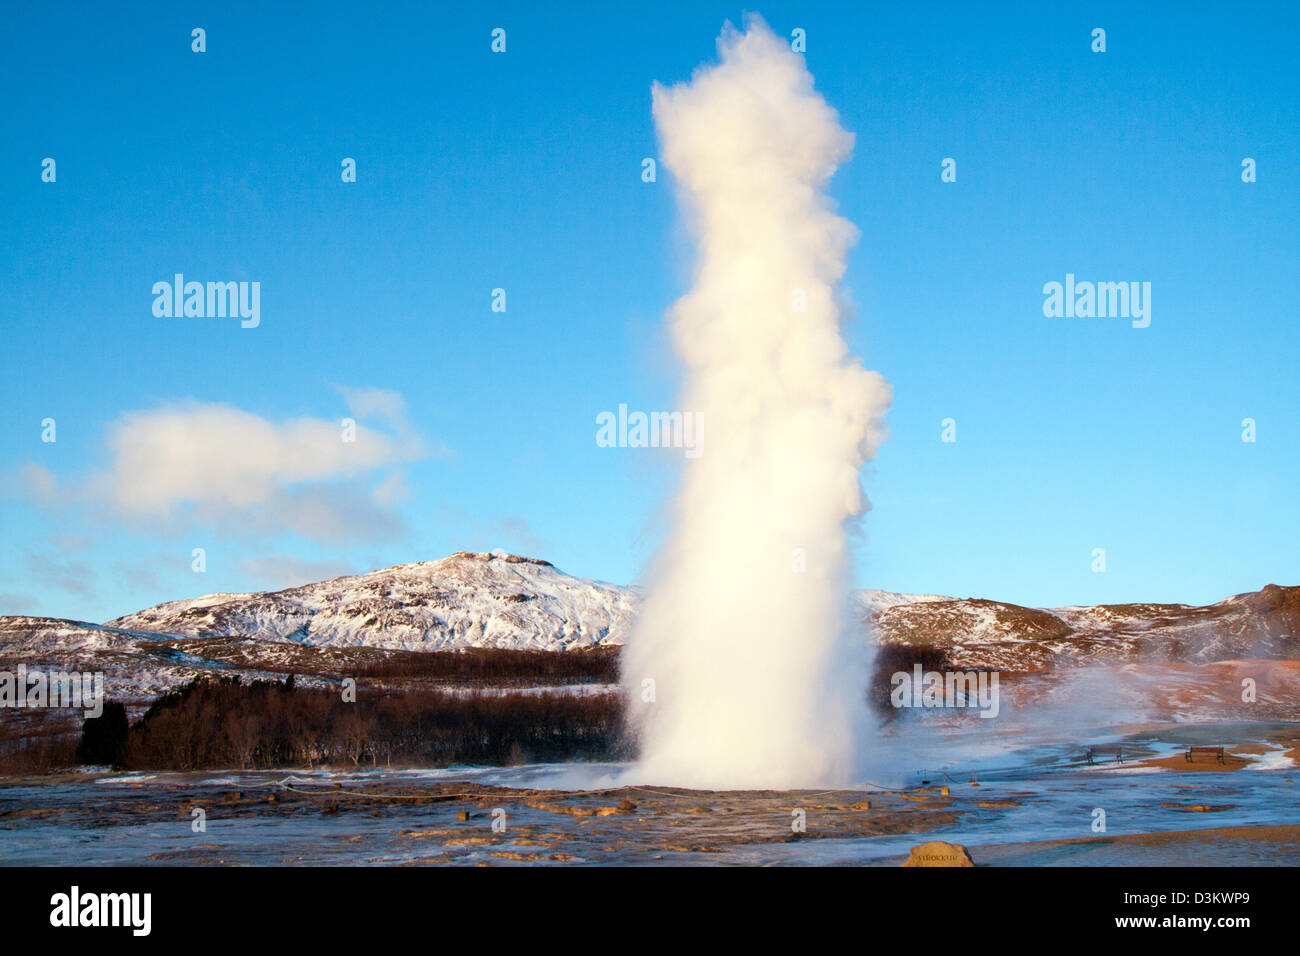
(465, 600)
(137, 665)
(994, 635)
(506, 601)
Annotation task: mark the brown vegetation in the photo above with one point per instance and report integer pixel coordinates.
(37, 741)
(210, 724)
(487, 667)
(893, 658)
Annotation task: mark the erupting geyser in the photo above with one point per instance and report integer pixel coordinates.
(741, 672)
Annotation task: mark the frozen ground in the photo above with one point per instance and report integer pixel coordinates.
(1028, 799)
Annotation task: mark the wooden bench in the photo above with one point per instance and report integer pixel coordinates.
(1117, 750)
(1194, 752)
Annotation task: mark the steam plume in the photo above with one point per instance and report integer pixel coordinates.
(756, 680)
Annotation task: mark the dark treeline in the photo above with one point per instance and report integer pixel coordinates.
(37, 741)
(212, 724)
(102, 737)
(225, 723)
(493, 666)
(894, 658)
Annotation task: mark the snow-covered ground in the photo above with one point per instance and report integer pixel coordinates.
(510, 602)
(594, 814)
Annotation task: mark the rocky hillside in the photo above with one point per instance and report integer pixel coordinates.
(997, 636)
(137, 666)
(506, 601)
(510, 602)
(465, 600)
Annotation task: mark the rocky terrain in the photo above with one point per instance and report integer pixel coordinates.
(993, 635)
(501, 601)
(465, 600)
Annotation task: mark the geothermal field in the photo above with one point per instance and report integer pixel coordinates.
(504, 437)
(1029, 805)
(1096, 743)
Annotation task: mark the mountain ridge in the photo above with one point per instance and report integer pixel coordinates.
(493, 599)
(496, 600)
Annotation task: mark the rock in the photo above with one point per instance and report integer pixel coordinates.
(627, 805)
(938, 853)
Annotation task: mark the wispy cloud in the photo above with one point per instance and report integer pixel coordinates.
(276, 571)
(13, 603)
(519, 535)
(73, 577)
(192, 463)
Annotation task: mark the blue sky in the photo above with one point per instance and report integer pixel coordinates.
(522, 171)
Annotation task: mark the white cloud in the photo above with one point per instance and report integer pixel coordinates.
(221, 466)
(382, 403)
(36, 483)
(222, 458)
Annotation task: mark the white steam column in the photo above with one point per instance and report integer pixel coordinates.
(755, 676)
